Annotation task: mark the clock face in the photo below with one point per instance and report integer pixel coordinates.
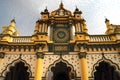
(61, 35)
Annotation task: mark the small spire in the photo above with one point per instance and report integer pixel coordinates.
(13, 20)
(76, 9)
(12, 23)
(106, 20)
(61, 4)
(46, 10)
(61, 1)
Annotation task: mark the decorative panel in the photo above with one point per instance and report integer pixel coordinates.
(61, 33)
(75, 62)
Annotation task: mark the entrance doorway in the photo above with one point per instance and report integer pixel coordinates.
(18, 72)
(61, 71)
(106, 72)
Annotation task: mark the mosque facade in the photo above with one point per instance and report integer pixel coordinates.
(60, 49)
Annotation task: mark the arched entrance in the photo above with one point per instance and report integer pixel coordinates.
(106, 72)
(18, 72)
(61, 71)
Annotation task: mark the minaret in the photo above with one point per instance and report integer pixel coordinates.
(37, 27)
(12, 23)
(12, 28)
(109, 27)
(41, 34)
(44, 21)
(77, 14)
(41, 27)
(80, 25)
(45, 14)
(9, 31)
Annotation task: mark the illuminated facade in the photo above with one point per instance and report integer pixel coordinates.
(56, 52)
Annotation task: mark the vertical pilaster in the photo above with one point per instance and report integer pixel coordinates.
(46, 27)
(83, 65)
(43, 27)
(39, 68)
(71, 32)
(51, 32)
(40, 27)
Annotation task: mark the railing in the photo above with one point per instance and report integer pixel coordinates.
(22, 39)
(100, 38)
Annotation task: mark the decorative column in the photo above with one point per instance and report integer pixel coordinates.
(2, 55)
(51, 32)
(39, 67)
(71, 31)
(83, 65)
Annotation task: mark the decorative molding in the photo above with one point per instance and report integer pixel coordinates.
(82, 54)
(2, 54)
(40, 55)
(61, 60)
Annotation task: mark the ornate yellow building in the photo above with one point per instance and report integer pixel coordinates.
(56, 52)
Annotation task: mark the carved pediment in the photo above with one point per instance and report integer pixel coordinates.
(61, 12)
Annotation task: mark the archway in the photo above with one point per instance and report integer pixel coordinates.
(106, 72)
(18, 72)
(61, 71)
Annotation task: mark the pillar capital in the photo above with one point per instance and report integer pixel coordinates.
(40, 55)
(82, 54)
(2, 54)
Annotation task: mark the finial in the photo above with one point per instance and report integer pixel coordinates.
(76, 9)
(76, 6)
(61, 1)
(13, 20)
(46, 10)
(61, 5)
(106, 20)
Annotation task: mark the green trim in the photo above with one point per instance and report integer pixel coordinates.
(82, 55)
(40, 55)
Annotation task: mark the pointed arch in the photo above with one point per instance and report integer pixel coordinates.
(13, 63)
(61, 60)
(105, 68)
(62, 69)
(18, 72)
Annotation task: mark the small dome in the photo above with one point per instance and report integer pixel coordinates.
(46, 10)
(13, 20)
(106, 20)
(77, 11)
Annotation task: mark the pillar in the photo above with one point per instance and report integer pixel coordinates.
(40, 28)
(83, 66)
(39, 67)
(51, 32)
(2, 55)
(71, 32)
(43, 27)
